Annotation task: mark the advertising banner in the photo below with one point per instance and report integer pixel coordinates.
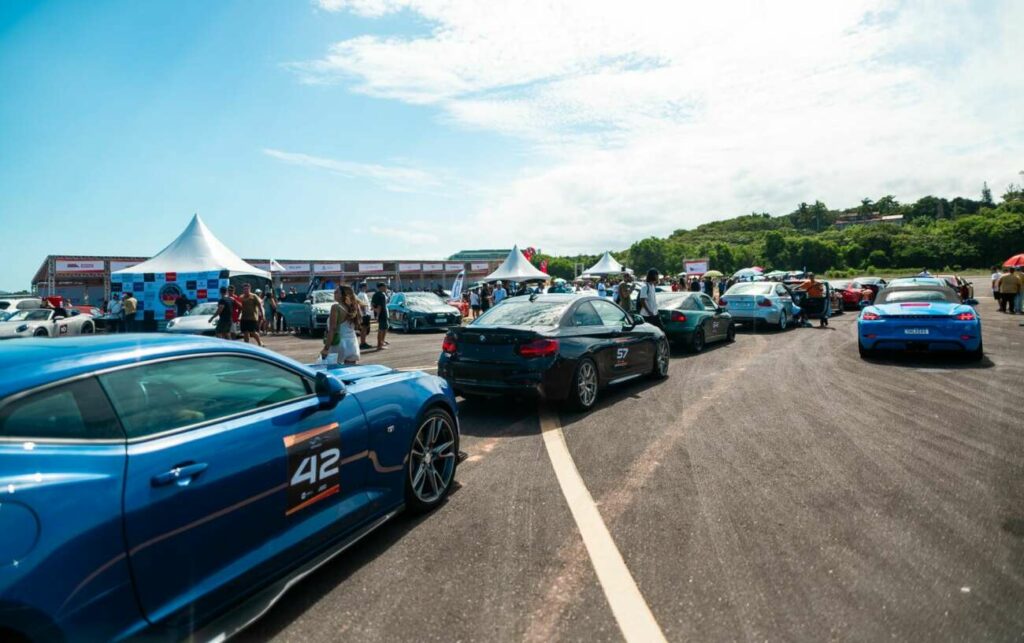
(69, 265)
(453, 266)
(321, 268)
(457, 286)
(292, 266)
(157, 291)
(695, 266)
(433, 267)
(408, 267)
(371, 267)
(122, 265)
(479, 266)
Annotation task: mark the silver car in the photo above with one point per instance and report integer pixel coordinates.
(46, 322)
(196, 322)
(761, 302)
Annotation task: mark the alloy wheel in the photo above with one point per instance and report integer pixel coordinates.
(433, 459)
(662, 363)
(586, 381)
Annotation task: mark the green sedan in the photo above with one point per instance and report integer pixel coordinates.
(694, 320)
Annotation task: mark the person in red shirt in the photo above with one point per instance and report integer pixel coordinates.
(236, 311)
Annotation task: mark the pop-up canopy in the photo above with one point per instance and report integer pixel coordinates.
(516, 268)
(606, 265)
(196, 250)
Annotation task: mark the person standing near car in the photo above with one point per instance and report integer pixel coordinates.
(474, 303)
(341, 337)
(647, 300)
(499, 293)
(130, 306)
(624, 293)
(181, 305)
(379, 302)
(224, 315)
(251, 314)
(364, 309)
(995, 282)
(1009, 286)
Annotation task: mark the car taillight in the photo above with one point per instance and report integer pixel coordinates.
(870, 316)
(538, 348)
(448, 345)
(965, 317)
(677, 316)
(764, 301)
(722, 301)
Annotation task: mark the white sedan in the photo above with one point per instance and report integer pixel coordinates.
(196, 322)
(46, 322)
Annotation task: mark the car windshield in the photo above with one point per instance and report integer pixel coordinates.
(523, 312)
(323, 296)
(902, 296)
(207, 309)
(760, 288)
(423, 299)
(673, 300)
(36, 314)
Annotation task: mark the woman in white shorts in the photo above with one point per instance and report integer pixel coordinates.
(342, 338)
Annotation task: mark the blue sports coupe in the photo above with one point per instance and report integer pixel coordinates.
(169, 487)
(920, 318)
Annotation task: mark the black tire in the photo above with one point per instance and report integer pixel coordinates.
(697, 342)
(583, 396)
(783, 324)
(40, 332)
(420, 497)
(88, 329)
(659, 370)
(977, 354)
(865, 353)
(730, 334)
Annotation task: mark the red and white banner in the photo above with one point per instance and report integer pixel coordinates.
(70, 265)
(321, 268)
(408, 267)
(371, 267)
(695, 266)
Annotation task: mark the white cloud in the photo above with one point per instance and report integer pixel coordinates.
(395, 178)
(644, 117)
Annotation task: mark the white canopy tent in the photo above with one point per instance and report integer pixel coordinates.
(196, 250)
(516, 268)
(606, 265)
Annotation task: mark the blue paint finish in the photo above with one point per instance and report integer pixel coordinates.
(97, 550)
(899, 327)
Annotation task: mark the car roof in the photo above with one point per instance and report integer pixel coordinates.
(29, 362)
(553, 297)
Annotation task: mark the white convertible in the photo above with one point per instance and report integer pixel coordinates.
(46, 322)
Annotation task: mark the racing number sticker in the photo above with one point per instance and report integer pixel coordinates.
(63, 329)
(620, 356)
(314, 470)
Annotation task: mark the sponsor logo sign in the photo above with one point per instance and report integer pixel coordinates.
(69, 265)
(454, 266)
(169, 293)
(326, 267)
(371, 267)
(408, 267)
(695, 266)
(478, 266)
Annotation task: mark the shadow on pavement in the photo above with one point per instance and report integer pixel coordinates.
(505, 417)
(929, 360)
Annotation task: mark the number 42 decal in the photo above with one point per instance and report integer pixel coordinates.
(307, 471)
(314, 472)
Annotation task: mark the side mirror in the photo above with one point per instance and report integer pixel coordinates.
(971, 302)
(637, 320)
(329, 389)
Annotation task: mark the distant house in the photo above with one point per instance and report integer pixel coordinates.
(847, 220)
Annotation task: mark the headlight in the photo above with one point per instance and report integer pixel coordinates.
(22, 328)
(170, 324)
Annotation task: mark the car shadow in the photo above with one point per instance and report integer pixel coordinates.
(928, 360)
(681, 352)
(294, 604)
(498, 417)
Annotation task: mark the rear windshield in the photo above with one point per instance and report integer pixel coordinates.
(673, 301)
(423, 299)
(523, 312)
(751, 289)
(899, 296)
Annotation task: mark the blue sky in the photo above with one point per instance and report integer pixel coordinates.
(413, 128)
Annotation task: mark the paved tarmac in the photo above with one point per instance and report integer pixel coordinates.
(776, 488)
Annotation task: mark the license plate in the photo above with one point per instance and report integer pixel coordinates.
(915, 331)
(440, 319)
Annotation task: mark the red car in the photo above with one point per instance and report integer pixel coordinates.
(959, 284)
(849, 291)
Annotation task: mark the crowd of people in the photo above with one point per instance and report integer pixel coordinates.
(1008, 289)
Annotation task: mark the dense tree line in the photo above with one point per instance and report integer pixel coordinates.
(937, 233)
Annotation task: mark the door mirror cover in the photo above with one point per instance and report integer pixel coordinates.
(329, 389)
(637, 320)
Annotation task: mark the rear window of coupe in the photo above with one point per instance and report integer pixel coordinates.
(523, 312)
(901, 296)
(751, 289)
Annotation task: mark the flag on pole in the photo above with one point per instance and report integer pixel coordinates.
(544, 266)
(457, 285)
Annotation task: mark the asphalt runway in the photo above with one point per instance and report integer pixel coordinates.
(777, 488)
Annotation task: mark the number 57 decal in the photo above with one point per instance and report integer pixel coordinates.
(313, 469)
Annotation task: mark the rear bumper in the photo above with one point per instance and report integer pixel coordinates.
(750, 315)
(938, 340)
(506, 380)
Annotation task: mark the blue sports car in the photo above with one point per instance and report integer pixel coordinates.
(920, 318)
(167, 487)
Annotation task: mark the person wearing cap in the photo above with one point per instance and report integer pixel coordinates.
(647, 300)
(499, 293)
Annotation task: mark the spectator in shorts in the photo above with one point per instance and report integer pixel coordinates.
(251, 315)
(379, 302)
(474, 302)
(129, 306)
(224, 315)
(341, 337)
(364, 309)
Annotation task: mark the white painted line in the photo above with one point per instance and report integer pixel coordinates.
(417, 368)
(631, 611)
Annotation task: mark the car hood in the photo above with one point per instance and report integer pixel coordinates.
(350, 374)
(929, 309)
(439, 309)
(192, 321)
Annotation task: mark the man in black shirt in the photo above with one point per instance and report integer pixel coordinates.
(181, 305)
(225, 308)
(379, 303)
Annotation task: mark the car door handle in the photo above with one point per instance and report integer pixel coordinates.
(181, 474)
